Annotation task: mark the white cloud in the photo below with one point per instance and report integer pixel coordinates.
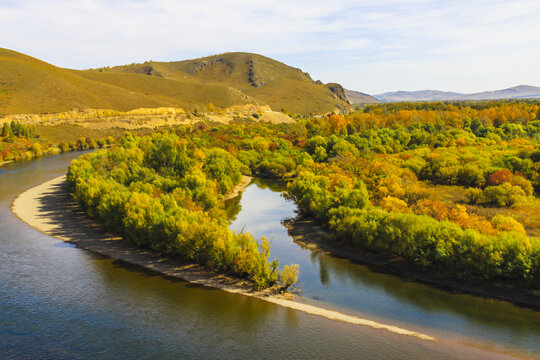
(370, 46)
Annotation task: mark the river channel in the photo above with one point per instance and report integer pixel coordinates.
(58, 301)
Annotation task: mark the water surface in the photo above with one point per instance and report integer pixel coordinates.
(61, 302)
(354, 288)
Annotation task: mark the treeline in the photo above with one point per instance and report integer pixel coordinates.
(14, 129)
(164, 193)
(442, 246)
(19, 141)
(376, 178)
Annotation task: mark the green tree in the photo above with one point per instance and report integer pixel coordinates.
(289, 276)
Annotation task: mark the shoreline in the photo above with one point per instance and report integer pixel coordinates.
(308, 233)
(49, 208)
(235, 191)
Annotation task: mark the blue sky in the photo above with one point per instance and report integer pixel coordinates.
(370, 46)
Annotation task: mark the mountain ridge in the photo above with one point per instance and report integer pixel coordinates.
(357, 97)
(515, 92)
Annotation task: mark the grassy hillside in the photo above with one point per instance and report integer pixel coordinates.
(259, 77)
(185, 94)
(28, 85)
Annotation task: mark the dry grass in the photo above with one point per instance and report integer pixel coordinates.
(100, 123)
(277, 84)
(28, 85)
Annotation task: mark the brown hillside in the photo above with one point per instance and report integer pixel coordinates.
(28, 85)
(260, 77)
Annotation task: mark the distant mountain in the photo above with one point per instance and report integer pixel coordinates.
(29, 85)
(516, 92)
(356, 97)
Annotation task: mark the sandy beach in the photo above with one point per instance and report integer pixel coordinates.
(49, 208)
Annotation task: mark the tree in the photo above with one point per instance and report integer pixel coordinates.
(504, 195)
(499, 177)
(7, 132)
(289, 276)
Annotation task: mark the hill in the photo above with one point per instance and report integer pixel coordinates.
(356, 97)
(422, 95)
(259, 77)
(28, 85)
(516, 92)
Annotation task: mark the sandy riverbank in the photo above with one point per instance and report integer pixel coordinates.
(49, 208)
(306, 232)
(244, 182)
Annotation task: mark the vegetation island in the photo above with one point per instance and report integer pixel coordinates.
(449, 188)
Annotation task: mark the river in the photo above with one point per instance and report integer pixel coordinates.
(58, 301)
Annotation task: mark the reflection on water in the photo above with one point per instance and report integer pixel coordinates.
(61, 302)
(355, 288)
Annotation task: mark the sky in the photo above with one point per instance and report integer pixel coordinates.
(370, 46)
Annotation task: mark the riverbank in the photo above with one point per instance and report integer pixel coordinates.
(49, 208)
(244, 182)
(308, 233)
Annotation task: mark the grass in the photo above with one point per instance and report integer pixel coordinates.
(68, 132)
(28, 85)
(278, 85)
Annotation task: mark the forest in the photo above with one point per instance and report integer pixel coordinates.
(451, 188)
(21, 141)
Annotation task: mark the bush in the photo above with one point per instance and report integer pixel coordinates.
(390, 203)
(440, 245)
(507, 223)
(289, 276)
(474, 195)
(37, 149)
(504, 195)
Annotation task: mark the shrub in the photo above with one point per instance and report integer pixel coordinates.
(507, 223)
(504, 195)
(474, 195)
(499, 177)
(289, 276)
(37, 150)
(391, 203)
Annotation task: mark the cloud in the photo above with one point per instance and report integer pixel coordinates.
(363, 44)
